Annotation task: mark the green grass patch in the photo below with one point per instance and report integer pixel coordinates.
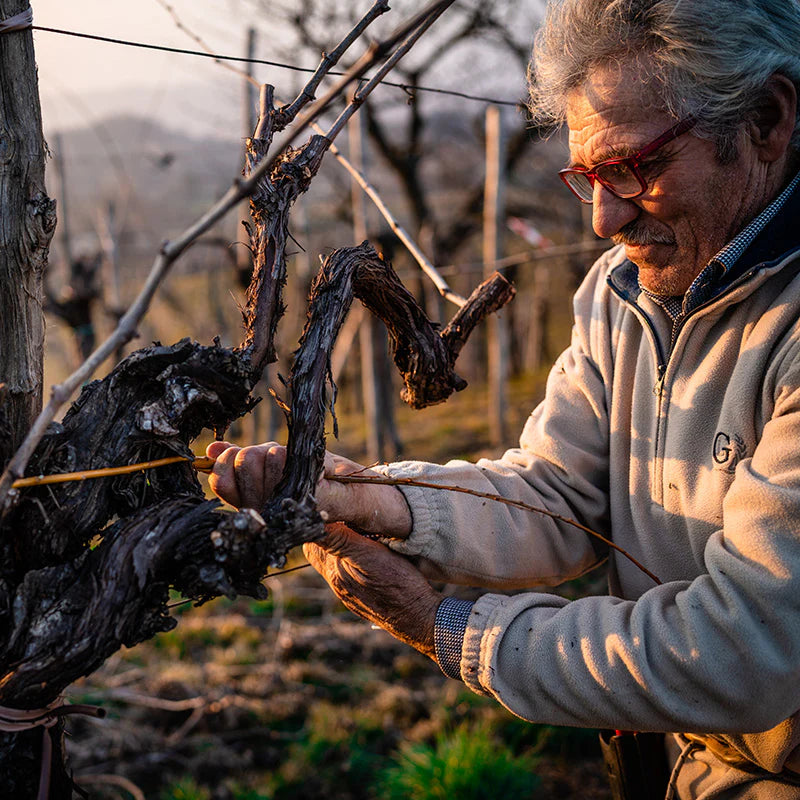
(185, 789)
(468, 763)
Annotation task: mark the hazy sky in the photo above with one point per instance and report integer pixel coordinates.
(80, 78)
(82, 81)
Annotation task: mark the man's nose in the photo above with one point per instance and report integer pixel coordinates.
(610, 213)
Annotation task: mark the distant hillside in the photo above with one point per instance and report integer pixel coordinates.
(160, 180)
(162, 176)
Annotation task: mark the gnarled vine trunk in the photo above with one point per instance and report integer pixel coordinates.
(86, 567)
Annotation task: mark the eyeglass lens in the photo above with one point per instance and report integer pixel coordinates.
(617, 177)
(580, 184)
(620, 177)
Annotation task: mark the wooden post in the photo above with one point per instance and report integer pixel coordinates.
(497, 325)
(109, 242)
(244, 261)
(369, 375)
(110, 245)
(254, 422)
(28, 223)
(537, 325)
(376, 378)
(63, 205)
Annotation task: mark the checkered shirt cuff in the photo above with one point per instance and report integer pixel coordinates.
(449, 628)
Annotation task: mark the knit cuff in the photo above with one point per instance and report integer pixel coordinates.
(448, 634)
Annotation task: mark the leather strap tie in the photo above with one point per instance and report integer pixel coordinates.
(18, 22)
(17, 720)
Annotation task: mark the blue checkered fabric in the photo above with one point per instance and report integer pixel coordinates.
(704, 285)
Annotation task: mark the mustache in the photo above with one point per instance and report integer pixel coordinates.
(638, 232)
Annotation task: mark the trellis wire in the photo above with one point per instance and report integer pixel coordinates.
(407, 88)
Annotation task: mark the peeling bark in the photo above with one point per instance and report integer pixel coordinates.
(153, 404)
(86, 567)
(269, 230)
(425, 358)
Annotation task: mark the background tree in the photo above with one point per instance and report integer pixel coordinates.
(501, 30)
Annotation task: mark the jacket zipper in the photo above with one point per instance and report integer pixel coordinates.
(662, 364)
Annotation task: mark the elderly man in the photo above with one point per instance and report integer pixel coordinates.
(671, 423)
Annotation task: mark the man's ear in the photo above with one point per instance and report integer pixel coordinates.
(773, 125)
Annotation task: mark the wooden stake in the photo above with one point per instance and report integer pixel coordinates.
(63, 205)
(497, 327)
(369, 374)
(244, 261)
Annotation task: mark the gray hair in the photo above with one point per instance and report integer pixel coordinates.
(706, 58)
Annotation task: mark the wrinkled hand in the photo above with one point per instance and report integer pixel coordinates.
(377, 584)
(247, 476)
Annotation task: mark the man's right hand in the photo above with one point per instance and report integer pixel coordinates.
(247, 476)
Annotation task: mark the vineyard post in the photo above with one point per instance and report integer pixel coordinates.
(370, 328)
(28, 224)
(497, 327)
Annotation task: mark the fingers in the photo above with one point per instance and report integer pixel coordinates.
(246, 476)
(352, 503)
(339, 542)
(377, 584)
(253, 475)
(339, 465)
(343, 542)
(216, 448)
(222, 479)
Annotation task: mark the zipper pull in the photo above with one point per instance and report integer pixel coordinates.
(661, 370)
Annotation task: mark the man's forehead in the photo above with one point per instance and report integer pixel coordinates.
(612, 115)
(600, 140)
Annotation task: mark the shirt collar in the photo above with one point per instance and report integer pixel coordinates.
(732, 252)
(714, 273)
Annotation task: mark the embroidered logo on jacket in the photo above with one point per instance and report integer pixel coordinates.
(729, 450)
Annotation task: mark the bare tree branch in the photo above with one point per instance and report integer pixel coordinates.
(425, 21)
(272, 198)
(404, 165)
(330, 60)
(170, 251)
(290, 109)
(400, 232)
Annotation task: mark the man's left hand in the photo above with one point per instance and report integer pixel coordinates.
(377, 584)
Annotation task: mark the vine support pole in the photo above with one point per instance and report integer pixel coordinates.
(28, 222)
(375, 382)
(497, 325)
(28, 217)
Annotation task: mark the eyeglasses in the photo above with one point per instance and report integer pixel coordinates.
(620, 176)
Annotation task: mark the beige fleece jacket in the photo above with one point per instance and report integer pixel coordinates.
(694, 467)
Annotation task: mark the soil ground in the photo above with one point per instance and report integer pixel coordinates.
(295, 697)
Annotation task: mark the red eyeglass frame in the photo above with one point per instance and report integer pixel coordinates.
(632, 162)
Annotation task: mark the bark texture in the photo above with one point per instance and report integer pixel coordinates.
(27, 222)
(270, 205)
